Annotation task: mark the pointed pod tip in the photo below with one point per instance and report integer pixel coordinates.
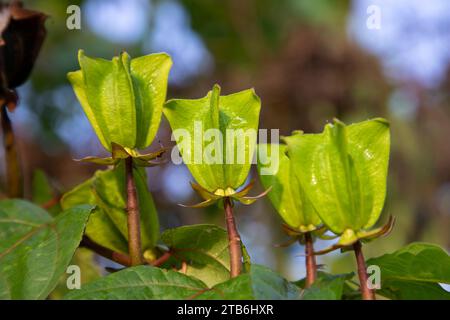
(168, 58)
(81, 57)
(297, 132)
(72, 76)
(338, 122)
(254, 94)
(215, 92)
(165, 55)
(216, 87)
(379, 120)
(382, 121)
(124, 57)
(80, 54)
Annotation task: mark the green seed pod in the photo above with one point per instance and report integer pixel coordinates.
(122, 98)
(216, 136)
(343, 172)
(287, 195)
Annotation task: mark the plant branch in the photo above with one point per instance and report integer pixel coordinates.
(163, 258)
(234, 240)
(133, 216)
(120, 258)
(366, 292)
(13, 171)
(311, 266)
(51, 203)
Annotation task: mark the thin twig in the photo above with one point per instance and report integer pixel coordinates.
(366, 292)
(51, 203)
(234, 241)
(13, 171)
(163, 258)
(120, 258)
(133, 219)
(310, 262)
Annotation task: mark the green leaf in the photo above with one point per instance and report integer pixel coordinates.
(108, 223)
(42, 191)
(140, 283)
(134, 89)
(204, 248)
(326, 287)
(213, 157)
(413, 290)
(287, 195)
(260, 283)
(343, 172)
(414, 272)
(100, 228)
(35, 249)
(85, 259)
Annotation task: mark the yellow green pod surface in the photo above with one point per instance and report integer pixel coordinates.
(122, 98)
(343, 171)
(216, 136)
(287, 195)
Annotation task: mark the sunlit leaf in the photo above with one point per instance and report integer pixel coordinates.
(414, 272)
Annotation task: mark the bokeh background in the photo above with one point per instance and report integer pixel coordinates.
(309, 61)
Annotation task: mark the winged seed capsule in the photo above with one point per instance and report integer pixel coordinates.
(343, 171)
(232, 121)
(123, 100)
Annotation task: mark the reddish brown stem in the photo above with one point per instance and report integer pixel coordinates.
(311, 266)
(105, 252)
(13, 171)
(163, 258)
(366, 292)
(133, 216)
(234, 241)
(120, 258)
(51, 203)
